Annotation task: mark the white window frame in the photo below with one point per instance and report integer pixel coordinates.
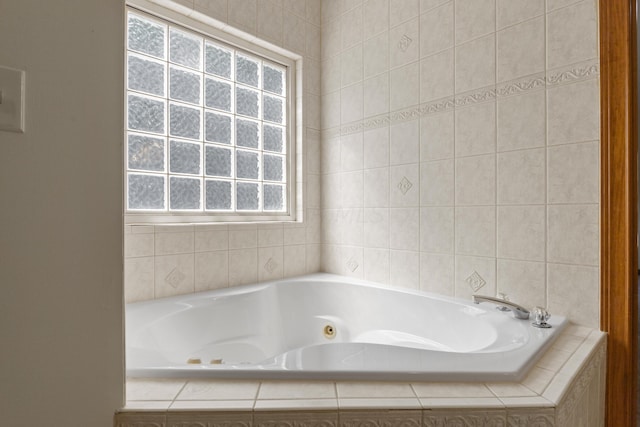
(293, 123)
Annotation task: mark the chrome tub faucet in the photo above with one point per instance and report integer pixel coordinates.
(503, 305)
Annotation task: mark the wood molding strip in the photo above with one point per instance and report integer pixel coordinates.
(619, 259)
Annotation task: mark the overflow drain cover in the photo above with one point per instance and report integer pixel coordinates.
(329, 332)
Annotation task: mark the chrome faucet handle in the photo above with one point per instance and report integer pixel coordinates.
(541, 315)
(502, 296)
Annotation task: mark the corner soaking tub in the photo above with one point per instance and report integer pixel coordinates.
(324, 326)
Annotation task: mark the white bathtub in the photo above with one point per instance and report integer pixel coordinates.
(330, 327)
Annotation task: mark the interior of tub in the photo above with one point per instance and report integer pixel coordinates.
(310, 320)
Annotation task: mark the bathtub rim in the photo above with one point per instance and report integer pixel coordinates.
(511, 373)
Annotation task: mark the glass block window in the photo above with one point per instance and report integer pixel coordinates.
(206, 124)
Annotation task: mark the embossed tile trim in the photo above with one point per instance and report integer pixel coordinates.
(586, 377)
(293, 419)
(208, 419)
(135, 419)
(535, 417)
(380, 419)
(465, 418)
(525, 84)
(573, 73)
(570, 74)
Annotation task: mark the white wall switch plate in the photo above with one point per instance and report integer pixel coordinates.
(12, 85)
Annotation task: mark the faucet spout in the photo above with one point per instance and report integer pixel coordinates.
(518, 311)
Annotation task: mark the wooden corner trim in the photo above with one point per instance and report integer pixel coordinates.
(618, 261)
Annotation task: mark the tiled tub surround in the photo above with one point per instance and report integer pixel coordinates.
(562, 390)
(162, 261)
(450, 146)
(460, 148)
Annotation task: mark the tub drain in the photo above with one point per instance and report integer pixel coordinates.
(329, 332)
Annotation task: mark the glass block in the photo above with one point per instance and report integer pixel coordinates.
(184, 193)
(145, 114)
(218, 94)
(145, 76)
(185, 49)
(273, 109)
(247, 164)
(273, 79)
(145, 153)
(146, 36)
(273, 138)
(247, 102)
(184, 157)
(184, 121)
(218, 195)
(184, 85)
(273, 196)
(217, 127)
(218, 60)
(247, 196)
(145, 192)
(273, 167)
(247, 71)
(218, 161)
(247, 133)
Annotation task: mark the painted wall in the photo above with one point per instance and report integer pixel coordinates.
(163, 261)
(61, 362)
(460, 148)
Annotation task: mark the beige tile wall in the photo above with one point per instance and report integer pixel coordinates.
(457, 137)
(462, 137)
(168, 260)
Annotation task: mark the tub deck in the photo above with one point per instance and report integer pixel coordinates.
(564, 388)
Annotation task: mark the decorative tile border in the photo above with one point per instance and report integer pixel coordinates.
(534, 418)
(139, 419)
(521, 86)
(582, 71)
(293, 419)
(199, 419)
(380, 419)
(588, 376)
(466, 419)
(574, 73)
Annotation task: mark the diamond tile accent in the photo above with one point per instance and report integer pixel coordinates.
(475, 281)
(175, 277)
(404, 185)
(352, 265)
(404, 43)
(271, 265)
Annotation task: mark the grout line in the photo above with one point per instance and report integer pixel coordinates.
(455, 160)
(546, 160)
(495, 153)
